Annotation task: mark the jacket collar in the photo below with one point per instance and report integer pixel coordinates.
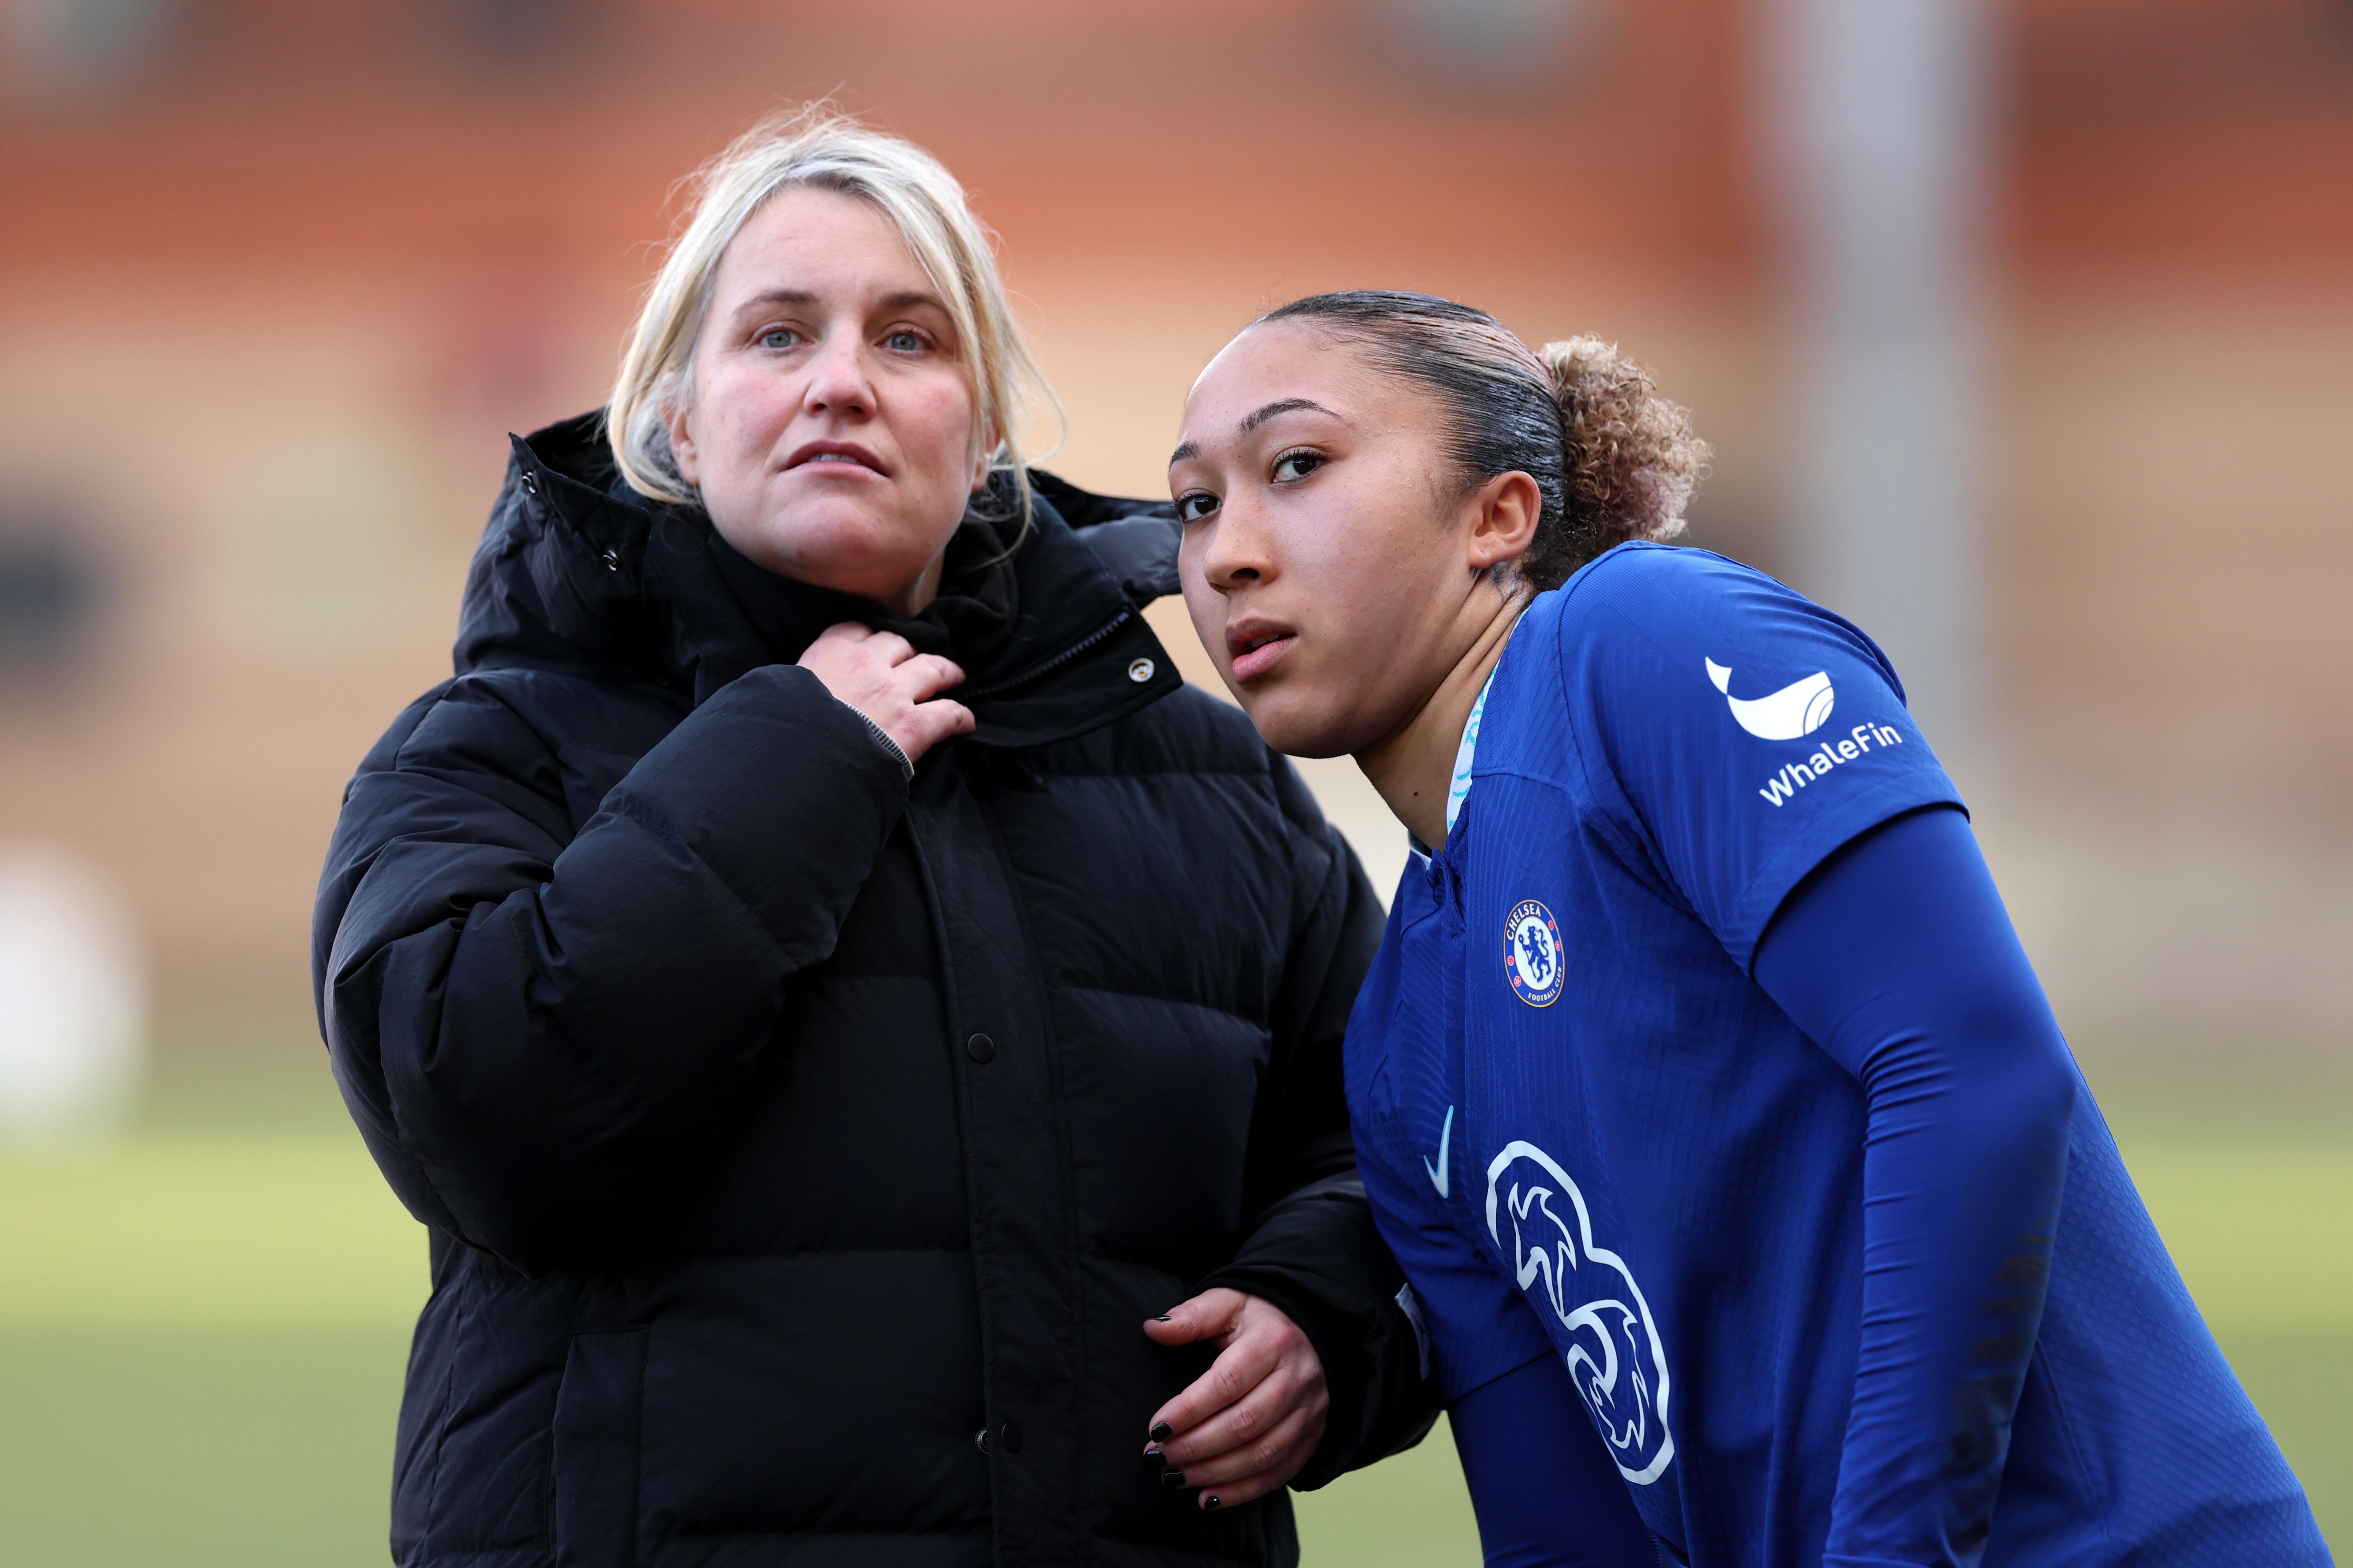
(577, 571)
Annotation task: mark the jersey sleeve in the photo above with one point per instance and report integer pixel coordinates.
(1900, 962)
(1730, 733)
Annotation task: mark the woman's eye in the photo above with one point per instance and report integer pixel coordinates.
(1293, 466)
(905, 343)
(779, 338)
(1195, 505)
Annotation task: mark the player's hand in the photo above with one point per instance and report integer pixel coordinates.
(1252, 1421)
(883, 676)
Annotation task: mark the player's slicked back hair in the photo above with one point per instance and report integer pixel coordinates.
(1612, 460)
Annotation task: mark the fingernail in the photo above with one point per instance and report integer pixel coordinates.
(1211, 1504)
(1161, 1432)
(1154, 1459)
(1173, 1479)
(1163, 1318)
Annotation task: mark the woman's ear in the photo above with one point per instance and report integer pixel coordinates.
(987, 455)
(1504, 513)
(681, 442)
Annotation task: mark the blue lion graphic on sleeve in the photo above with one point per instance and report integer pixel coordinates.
(1615, 1354)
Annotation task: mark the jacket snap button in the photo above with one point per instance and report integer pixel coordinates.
(1140, 671)
(1009, 1435)
(980, 1439)
(980, 1048)
(612, 561)
(530, 482)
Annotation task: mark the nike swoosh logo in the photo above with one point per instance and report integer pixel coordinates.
(1799, 709)
(1438, 1172)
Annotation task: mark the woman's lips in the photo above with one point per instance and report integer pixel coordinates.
(1249, 666)
(834, 457)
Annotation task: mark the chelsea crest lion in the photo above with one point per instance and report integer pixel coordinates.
(1532, 955)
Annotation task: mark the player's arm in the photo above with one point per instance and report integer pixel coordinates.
(1543, 1488)
(1896, 957)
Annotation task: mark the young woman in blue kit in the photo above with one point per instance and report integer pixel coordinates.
(1755, 1206)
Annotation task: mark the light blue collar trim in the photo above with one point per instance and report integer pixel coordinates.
(1460, 785)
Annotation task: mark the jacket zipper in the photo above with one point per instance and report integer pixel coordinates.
(1098, 636)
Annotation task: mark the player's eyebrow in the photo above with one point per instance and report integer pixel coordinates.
(1257, 417)
(1283, 406)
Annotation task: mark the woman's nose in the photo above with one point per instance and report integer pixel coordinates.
(839, 381)
(1236, 551)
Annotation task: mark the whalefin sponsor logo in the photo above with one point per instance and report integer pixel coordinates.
(1859, 743)
(1795, 711)
(1615, 1354)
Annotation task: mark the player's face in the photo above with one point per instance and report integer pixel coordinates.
(1328, 538)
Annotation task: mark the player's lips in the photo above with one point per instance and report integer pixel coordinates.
(843, 456)
(1254, 646)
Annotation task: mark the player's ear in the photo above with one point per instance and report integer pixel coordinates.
(1503, 516)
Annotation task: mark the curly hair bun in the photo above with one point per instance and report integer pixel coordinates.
(1632, 461)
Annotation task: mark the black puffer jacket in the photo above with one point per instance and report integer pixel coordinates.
(803, 1146)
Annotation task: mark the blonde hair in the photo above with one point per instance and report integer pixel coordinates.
(815, 148)
(1613, 460)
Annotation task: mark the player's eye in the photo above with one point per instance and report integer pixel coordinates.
(1297, 464)
(905, 340)
(779, 338)
(1195, 505)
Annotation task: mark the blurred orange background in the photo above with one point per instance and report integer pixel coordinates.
(279, 279)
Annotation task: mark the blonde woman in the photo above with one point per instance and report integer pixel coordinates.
(863, 1037)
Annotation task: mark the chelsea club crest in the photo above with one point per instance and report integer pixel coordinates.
(1532, 958)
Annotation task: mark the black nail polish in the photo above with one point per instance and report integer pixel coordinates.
(1212, 1504)
(1161, 1432)
(1154, 1459)
(1173, 1479)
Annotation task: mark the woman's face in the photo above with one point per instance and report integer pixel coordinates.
(830, 420)
(1335, 565)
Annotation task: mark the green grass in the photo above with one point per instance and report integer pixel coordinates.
(177, 1230)
(138, 1447)
(2303, 1383)
(202, 1329)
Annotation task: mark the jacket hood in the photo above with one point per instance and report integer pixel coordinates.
(578, 573)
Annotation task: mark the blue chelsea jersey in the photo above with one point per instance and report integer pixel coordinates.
(1587, 1132)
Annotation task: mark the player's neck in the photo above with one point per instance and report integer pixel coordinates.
(1413, 764)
